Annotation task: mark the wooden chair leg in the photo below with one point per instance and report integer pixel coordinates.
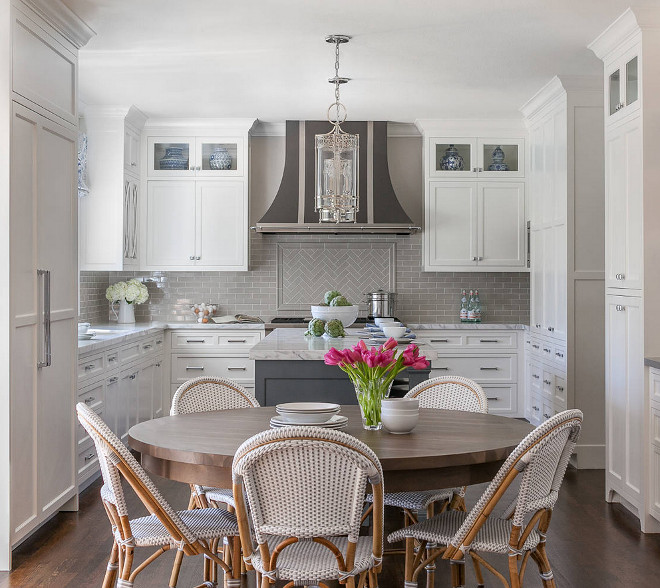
(174, 577)
(430, 568)
(127, 565)
(457, 573)
(478, 573)
(113, 567)
(514, 577)
(373, 579)
(409, 559)
(545, 571)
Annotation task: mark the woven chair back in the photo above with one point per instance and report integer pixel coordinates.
(450, 393)
(116, 461)
(306, 482)
(206, 394)
(542, 457)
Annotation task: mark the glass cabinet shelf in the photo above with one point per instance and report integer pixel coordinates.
(476, 157)
(195, 156)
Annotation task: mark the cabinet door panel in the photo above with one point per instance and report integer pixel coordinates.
(536, 282)
(451, 224)
(624, 396)
(536, 175)
(623, 212)
(145, 392)
(501, 224)
(559, 261)
(549, 280)
(170, 224)
(157, 393)
(222, 225)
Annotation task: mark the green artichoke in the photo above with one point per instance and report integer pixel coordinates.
(335, 328)
(315, 327)
(330, 294)
(339, 301)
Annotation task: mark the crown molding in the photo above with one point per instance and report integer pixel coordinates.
(469, 126)
(242, 125)
(622, 29)
(278, 129)
(552, 91)
(67, 22)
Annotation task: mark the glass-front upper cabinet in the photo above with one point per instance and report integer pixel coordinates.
(623, 85)
(194, 156)
(472, 157)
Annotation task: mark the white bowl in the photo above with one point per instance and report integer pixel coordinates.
(83, 328)
(395, 332)
(400, 405)
(399, 423)
(382, 320)
(307, 412)
(346, 314)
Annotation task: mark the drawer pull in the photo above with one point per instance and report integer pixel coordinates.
(446, 369)
(485, 369)
(551, 329)
(159, 342)
(195, 367)
(546, 349)
(113, 380)
(558, 354)
(535, 346)
(489, 341)
(620, 307)
(547, 416)
(492, 398)
(89, 400)
(236, 340)
(548, 382)
(91, 366)
(536, 376)
(536, 408)
(439, 340)
(195, 341)
(538, 325)
(112, 358)
(149, 346)
(158, 364)
(89, 457)
(236, 369)
(560, 388)
(132, 376)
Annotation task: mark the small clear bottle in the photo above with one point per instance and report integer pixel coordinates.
(477, 307)
(464, 307)
(471, 315)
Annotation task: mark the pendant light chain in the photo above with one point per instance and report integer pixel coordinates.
(337, 101)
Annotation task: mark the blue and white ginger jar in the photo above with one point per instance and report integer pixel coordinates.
(173, 159)
(498, 160)
(452, 161)
(220, 159)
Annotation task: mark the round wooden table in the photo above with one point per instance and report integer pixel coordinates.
(446, 449)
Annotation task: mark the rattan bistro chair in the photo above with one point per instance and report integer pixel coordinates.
(190, 532)
(206, 394)
(305, 487)
(541, 459)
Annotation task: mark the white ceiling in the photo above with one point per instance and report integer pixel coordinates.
(267, 59)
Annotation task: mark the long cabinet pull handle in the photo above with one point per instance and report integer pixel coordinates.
(439, 340)
(489, 341)
(195, 367)
(446, 369)
(236, 340)
(89, 400)
(236, 369)
(194, 340)
(489, 368)
(492, 398)
(89, 456)
(113, 380)
(46, 359)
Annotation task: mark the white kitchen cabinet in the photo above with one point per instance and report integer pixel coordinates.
(624, 259)
(476, 157)
(474, 224)
(196, 224)
(109, 213)
(624, 398)
(490, 357)
(567, 241)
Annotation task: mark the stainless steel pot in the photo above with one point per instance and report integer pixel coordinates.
(381, 303)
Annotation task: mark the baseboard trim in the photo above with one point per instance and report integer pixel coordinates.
(589, 457)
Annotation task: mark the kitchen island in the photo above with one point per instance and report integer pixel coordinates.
(289, 367)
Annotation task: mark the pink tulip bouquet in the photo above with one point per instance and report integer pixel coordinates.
(372, 371)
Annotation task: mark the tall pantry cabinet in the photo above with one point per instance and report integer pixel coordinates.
(564, 349)
(630, 49)
(38, 478)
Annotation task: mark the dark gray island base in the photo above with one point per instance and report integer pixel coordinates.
(278, 381)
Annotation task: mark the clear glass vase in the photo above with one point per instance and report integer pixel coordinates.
(370, 396)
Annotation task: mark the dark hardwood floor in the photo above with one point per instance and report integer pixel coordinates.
(591, 543)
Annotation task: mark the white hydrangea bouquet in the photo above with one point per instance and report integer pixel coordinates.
(127, 294)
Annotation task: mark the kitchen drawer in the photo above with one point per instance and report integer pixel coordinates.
(92, 395)
(442, 340)
(548, 410)
(559, 356)
(560, 392)
(192, 340)
(492, 368)
(655, 426)
(535, 377)
(186, 367)
(498, 341)
(548, 385)
(130, 352)
(159, 342)
(112, 359)
(148, 346)
(547, 351)
(83, 440)
(535, 346)
(535, 409)
(502, 399)
(87, 462)
(91, 366)
(239, 339)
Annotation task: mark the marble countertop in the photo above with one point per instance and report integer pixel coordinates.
(109, 334)
(291, 344)
(467, 326)
(653, 362)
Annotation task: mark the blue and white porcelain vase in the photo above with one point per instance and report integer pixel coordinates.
(173, 159)
(498, 160)
(451, 160)
(220, 159)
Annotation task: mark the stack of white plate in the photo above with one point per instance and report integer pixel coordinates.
(313, 414)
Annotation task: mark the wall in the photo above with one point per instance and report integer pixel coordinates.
(324, 261)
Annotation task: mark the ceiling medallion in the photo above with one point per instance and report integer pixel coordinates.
(336, 159)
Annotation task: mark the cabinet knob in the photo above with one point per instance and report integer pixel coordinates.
(133, 164)
(198, 257)
(620, 277)
(113, 380)
(89, 400)
(475, 259)
(89, 457)
(560, 388)
(474, 169)
(548, 382)
(536, 408)
(192, 258)
(538, 325)
(547, 416)
(620, 307)
(535, 376)
(551, 329)
(535, 346)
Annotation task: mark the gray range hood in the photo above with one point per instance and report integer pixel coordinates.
(292, 211)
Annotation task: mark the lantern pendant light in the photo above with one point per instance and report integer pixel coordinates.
(336, 194)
